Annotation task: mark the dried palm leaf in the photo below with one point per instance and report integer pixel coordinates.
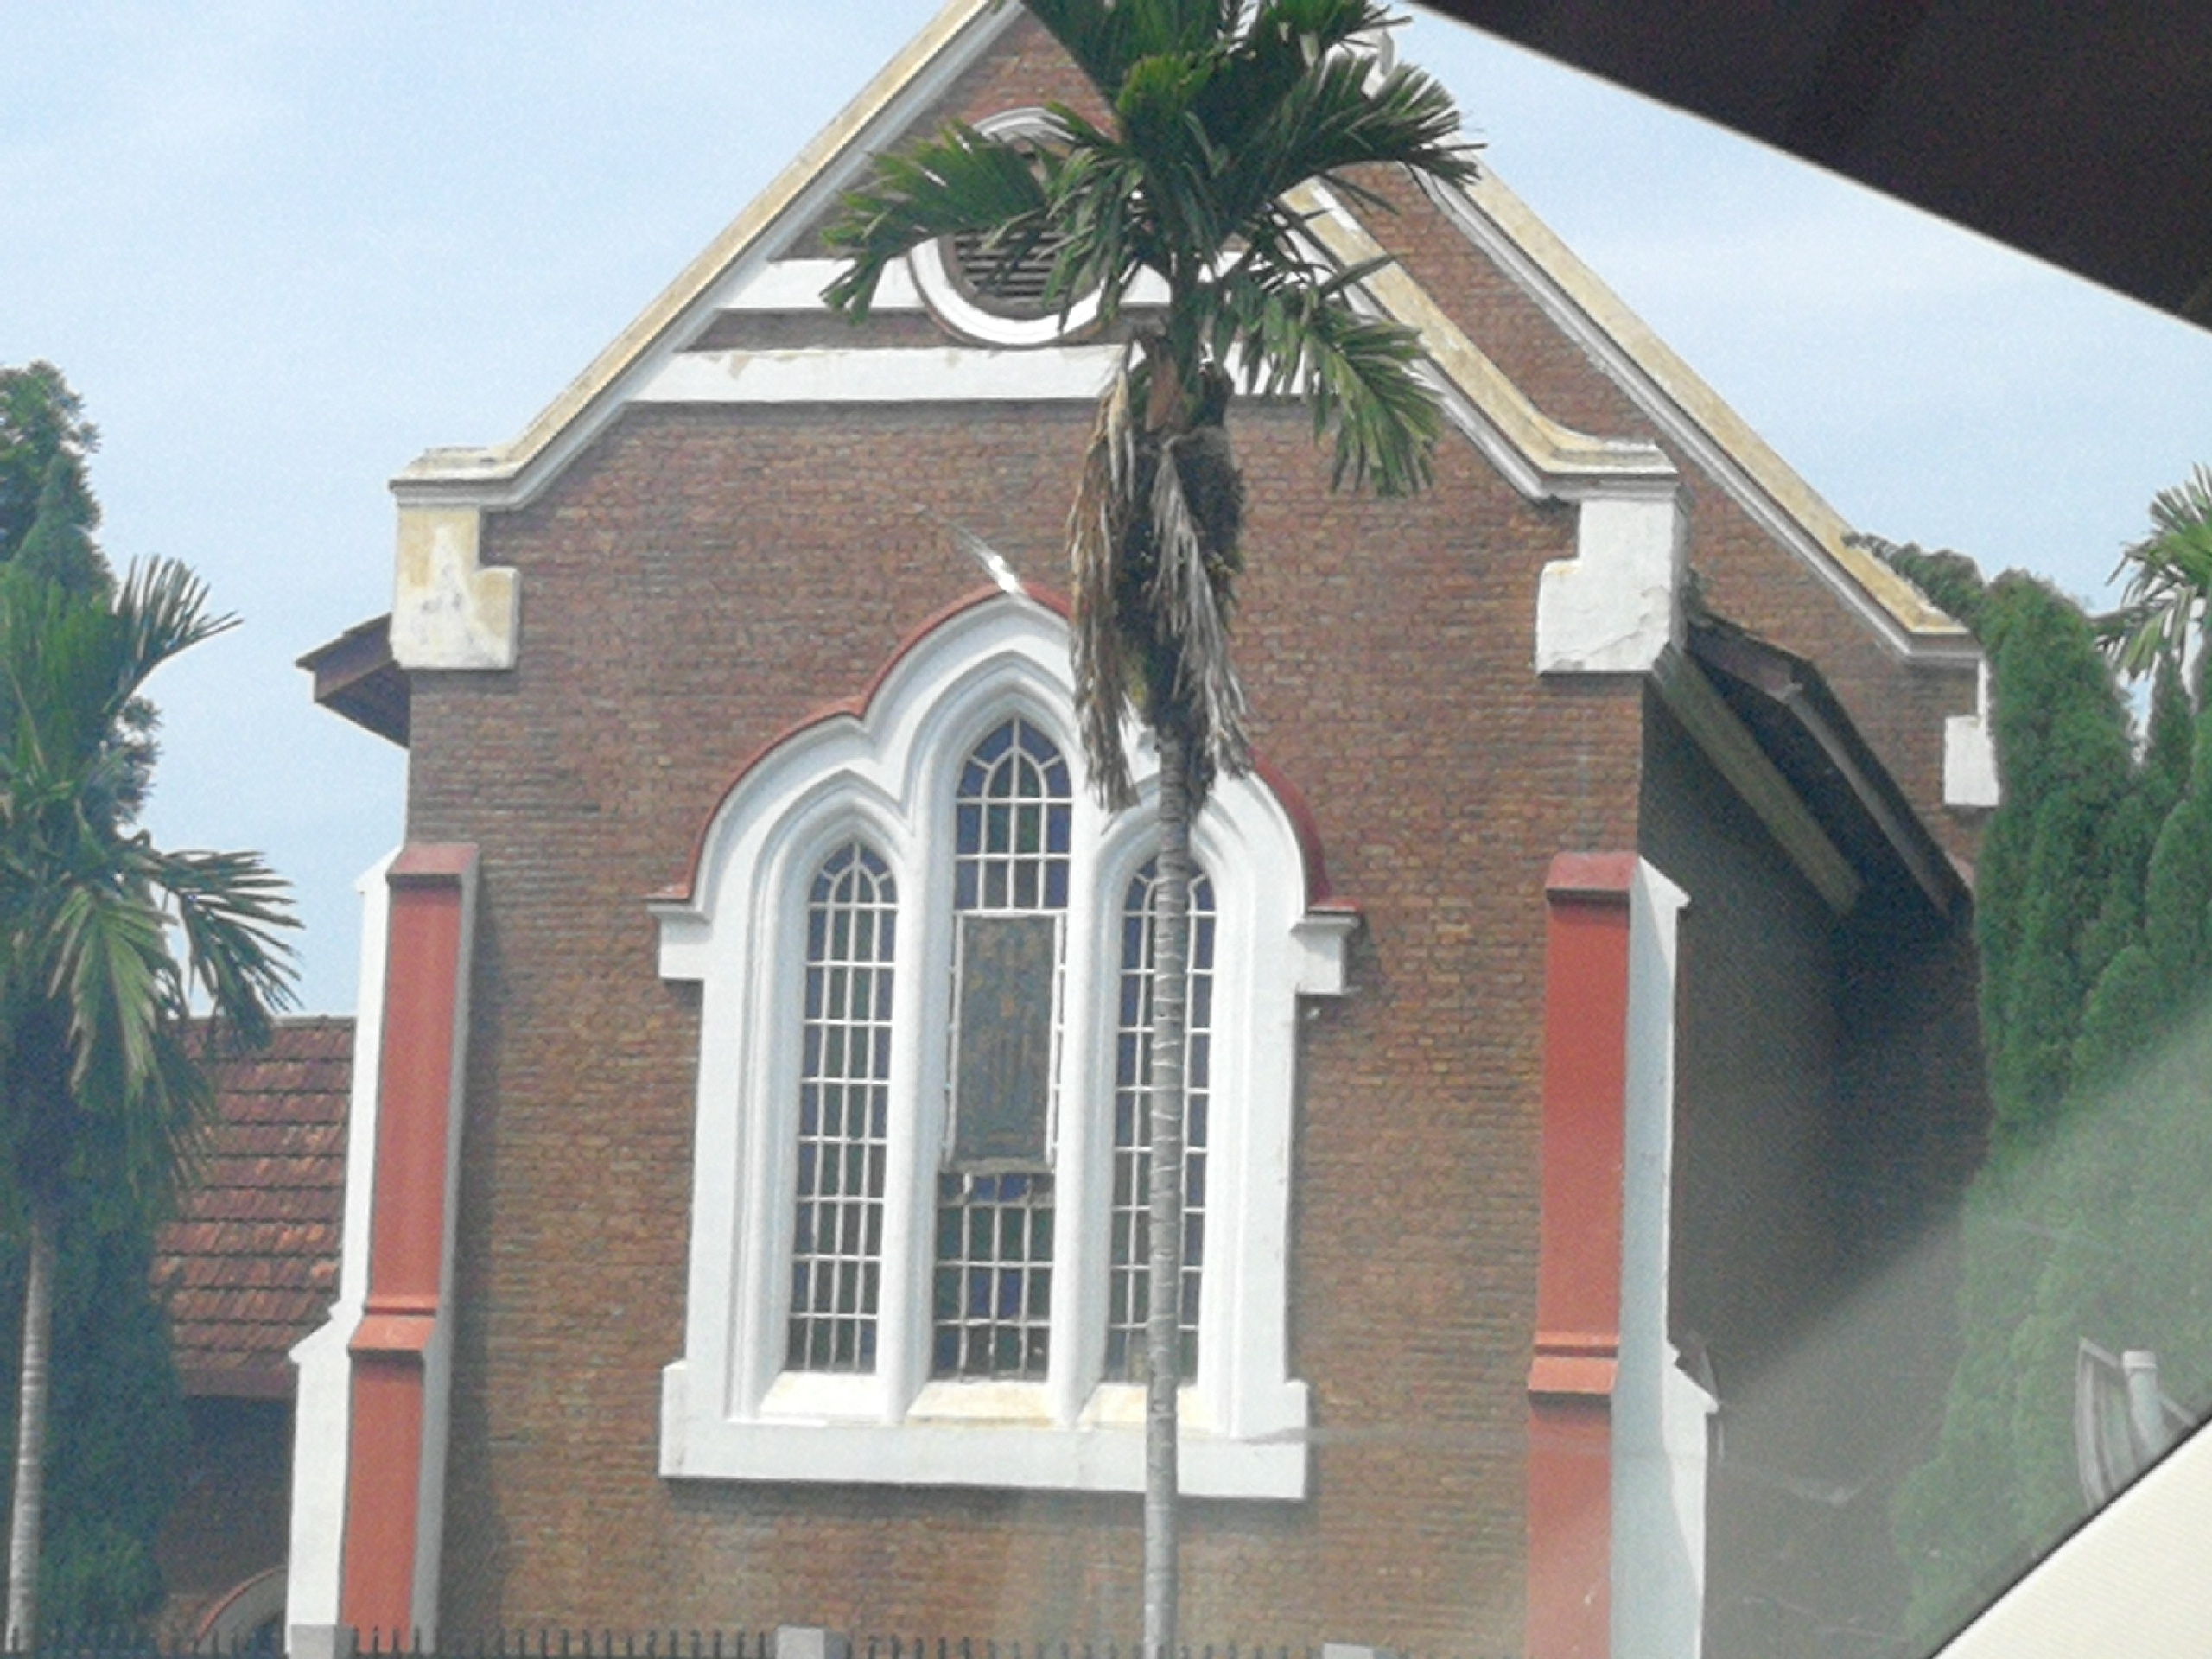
(1099, 525)
(1188, 597)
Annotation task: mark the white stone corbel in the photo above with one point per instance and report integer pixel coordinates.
(448, 611)
(1322, 939)
(1970, 780)
(1616, 604)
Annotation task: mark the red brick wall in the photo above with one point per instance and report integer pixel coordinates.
(702, 578)
(699, 579)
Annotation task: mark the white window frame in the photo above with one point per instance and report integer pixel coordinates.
(885, 773)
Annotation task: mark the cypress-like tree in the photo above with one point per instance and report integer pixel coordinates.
(2068, 764)
(45, 500)
(117, 1432)
(59, 545)
(2091, 1219)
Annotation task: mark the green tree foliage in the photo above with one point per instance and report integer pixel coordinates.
(48, 514)
(2092, 1217)
(2168, 578)
(100, 1089)
(117, 1427)
(2046, 861)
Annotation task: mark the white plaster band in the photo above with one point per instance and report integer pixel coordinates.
(952, 374)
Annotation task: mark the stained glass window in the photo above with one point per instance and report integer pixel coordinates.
(992, 1294)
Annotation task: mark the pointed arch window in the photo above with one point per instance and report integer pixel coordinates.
(917, 1237)
(844, 1108)
(1127, 1303)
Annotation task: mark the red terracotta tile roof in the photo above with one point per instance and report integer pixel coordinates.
(250, 1264)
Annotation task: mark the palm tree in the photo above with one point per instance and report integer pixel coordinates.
(1217, 110)
(2169, 579)
(100, 1089)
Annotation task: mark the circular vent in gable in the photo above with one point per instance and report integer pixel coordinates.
(995, 296)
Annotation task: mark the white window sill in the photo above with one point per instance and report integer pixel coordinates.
(970, 1441)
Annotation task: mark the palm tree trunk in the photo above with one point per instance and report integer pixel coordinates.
(1164, 1281)
(26, 1524)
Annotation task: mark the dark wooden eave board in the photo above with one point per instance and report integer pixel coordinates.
(355, 677)
(1786, 705)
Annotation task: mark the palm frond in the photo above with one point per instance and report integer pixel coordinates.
(1093, 188)
(2169, 579)
(1279, 45)
(110, 968)
(1105, 41)
(94, 1002)
(962, 180)
(1357, 373)
(163, 608)
(1305, 108)
(128, 1163)
(234, 911)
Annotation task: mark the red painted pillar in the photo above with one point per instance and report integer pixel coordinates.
(1579, 1265)
(395, 1452)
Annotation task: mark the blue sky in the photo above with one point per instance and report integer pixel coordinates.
(282, 247)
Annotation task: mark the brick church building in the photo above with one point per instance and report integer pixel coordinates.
(1586, 1053)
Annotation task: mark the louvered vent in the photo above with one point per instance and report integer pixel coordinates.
(1011, 286)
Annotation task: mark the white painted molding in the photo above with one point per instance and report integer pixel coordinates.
(941, 293)
(795, 285)
(730, 1411)
(1542, 459)
(437, 1353)
(1970, 779)
(446, 610)
(1695, 419)
(811, 1642)
(941, 290)
(322, 1404)
(1617, 605)
(1659, 1415)
(948, 374)
(1322, 942)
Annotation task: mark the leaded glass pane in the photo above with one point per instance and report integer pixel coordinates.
(1127, 1300)
(992, 1310)
(843, 1108)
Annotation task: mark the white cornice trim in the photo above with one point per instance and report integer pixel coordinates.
(951, 374)
(1695, 417)
(514, 471)
(797, 284)
(1543, 458)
